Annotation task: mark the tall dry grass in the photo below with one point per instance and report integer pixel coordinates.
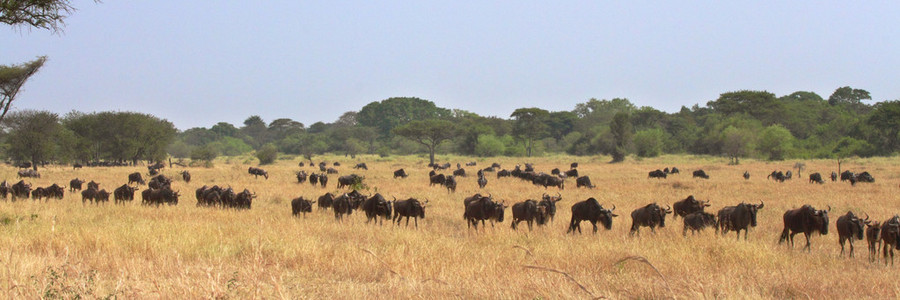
(67, 249)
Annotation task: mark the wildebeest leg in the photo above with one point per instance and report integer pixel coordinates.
(851, 247)
(513, 224)
(807, 234)
(593, 223)
(415, 219)
(529, 225)
(841, 240)
(746, 232)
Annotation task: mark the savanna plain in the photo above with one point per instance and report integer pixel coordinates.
(67, 249)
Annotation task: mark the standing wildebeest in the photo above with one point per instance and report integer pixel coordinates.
(243, 200)
(805, 219)
(555, 171)
(572, 173)
(300, 205)
(323, 179)
(865, 177)
(573, 165)
(846, 175)
(436, 178)
(256, 172)
(657, 174)
(746, 175)
(459, 173)
(361, 166)
(4, 189)
(325, 201)
(590, 210)
(28, 173)
(482, 182)
(349, 180)
(93, 185)
(484, 209)
(75, 185)
(313, 179)
(400, 173)
(377, 206)
(850, 227)
(409, 208)
(186, 176)
(674, 171)
(101, 196)
(88, 194)
(583, 181)
(331, 171)
(650, 215)
(503, 173)
(55, 191)
(833, 176)
(816, 177)
(159, 181)
(528, 211)
(550, 203)
(77, 166)
(890, 236)
(342, 206)
(135, 177)
(777, 176)
(450, 184)
(701, 174)
(20, 189)
(688, 206)
(159, 196)
(301, 176)
(873, 237)
(38, 193)
(737, 218)
(696, 221)
(124, 193)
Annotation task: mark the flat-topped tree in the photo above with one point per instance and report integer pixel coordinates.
(12, 78)
(429, 133)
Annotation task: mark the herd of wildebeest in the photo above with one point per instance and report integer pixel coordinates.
(484, 209)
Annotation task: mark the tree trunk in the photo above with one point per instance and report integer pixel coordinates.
(431, 149)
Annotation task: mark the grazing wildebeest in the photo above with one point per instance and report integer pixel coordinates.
(88, 194)
(28, 173)
(349, 180)
(746, 175)
(873, 237)
(550, 203)
(701, 174)
(77, 166)
(437, 179)
(583, 181)
(459, 173)
(337, 164)
(850, 227)
(696, 221)
(657, 174)
(301, 176)
(323, 179)
(555, 181)
(471, 164)
(865, 177)
(688, 206)
(159, 181)
(55, 191)
(805, 219)
(124, 193)
(776, 175)
(325, 201)
(186, 176)
(331, 171)
(256, 172)
(409, 208)
(450, 184)
(674, 171)
(314, 179)
(590, 210)
(135, 177)
(503, 173)
(737, 218)
(650, 215)
(495, 165)
(572, 173)
(38, 193)
(400, 173)
(847, 175)
(528, 211)
(484, 209)
(300, 205)
(93, 185)
(890, 236)
(159, 196)
(833, 176)
(20, 190)
(376, 206)
(75, 185)
(482, 182)
(816, 178)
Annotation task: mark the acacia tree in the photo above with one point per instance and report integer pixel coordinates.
(429, 133)
(31, 135)
(13, 77)
(621, 129)
(530, 125)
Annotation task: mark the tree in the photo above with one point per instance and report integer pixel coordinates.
(775, 142)
(761, 105)
(529, 126)
(429, 133)
(255, 131)
(848, 95)
(848, 147)
(267, 154)
(489, 145)
(885, 120)
(206, 153)
(560, 123)
(32, 135)
(621, 130)
(393, 112)
(223, 129)
(649, 142)
(12, 78)
(42, 14)
(736, 143)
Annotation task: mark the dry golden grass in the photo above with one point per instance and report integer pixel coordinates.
(66, 249)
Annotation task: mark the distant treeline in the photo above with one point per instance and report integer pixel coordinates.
(736, 125)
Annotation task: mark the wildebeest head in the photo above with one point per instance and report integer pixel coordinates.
(752, 209)
(550, 203)
(820, 220)
(606, 216)
(855, 223)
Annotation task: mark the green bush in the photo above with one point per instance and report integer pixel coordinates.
(267, 154)
(489, 145)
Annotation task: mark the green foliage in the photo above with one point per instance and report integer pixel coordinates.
(489, 145)
(649, 143)
(429, 133)
(775, 142)
(885, 120)
(737, 143)
(394, 112)
(231, 146)
(205, 153)
(267, 154)
(13, 77)
(30, 133)
(621, 130)
(530, 125)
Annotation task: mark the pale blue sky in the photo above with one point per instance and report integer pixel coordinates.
(196, 63)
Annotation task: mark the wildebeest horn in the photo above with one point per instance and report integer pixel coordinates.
(614, 208)
(829, 208)
(761, 204)
(558, 195)
(867, 217)
(668, 209)
(545, 195)
(395, 198)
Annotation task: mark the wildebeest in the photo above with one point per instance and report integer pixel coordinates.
(850, 227)
(123, 193)
(38, 193)
(28, 173)
(331, 171)
(484, 209)
(482, 182)
(583, 181)
(737, 218)
(376, 206)
(688, 206)
(495, 165)
(325, 201)
(323, 179)
(459, 172)
(471, 164)
(20, 190)
(300, 205)
(343, 205)
(101, 196)
(550, 203)
(409, 208)
(503, 173)
(361, 166)
(696, 221)
(76, 166)
(816, 178)
(93, 185)
(554, 181)
(573, 165)
(572, 173)
(657, 174)
(314, 179)
(159, 196)
(846, 175)
(833, 176)
(88, 194)
(301, 176)
(865, 177)
(5, 189)
(243, 200)
(873, 237)
(336, 164)
(590, 210)
(650, 215)
(135, 177)
(674, 171)
(450, 184)
(555, 171)
(890, 236)
(186, 176)
(701, 174)
(400, 173)
(256, 172)
(746, 175)
(436, 179)
(777, 176)
(530, 212)
(805, 219)
(159, 182)
(349, 180)
(75, 185)
(788, 175)
(54, 191)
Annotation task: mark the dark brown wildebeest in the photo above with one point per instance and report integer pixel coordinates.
(323, 179)
(530, 212)
(847, 175)
(550, 180)
(342, 206)
(737, 218)
(28, 173)
(331, 171)
(300, 205)
(349, 180)
(436, 179)
(38, 193)
(77, 166)
(657, 174)
(55, 191)
(101, 196)
(590, 210)
(696, 221)
(746, 175)
(777, 176)
(88, 194)
(5, 188)
(834, 176)
(186, 176)
(550, 203)
(805, 219)
(135, 177)
(400, 173)
(873, 237)
(256, 172)
(376, 206)
(409, 208)
(20, 190)
(471, 164)
(555, 171)
(495, 165)
(572, 173)
(361, 166)
(865, 177)
(93, 185)
(850, 227)
(459, 173)
(159, 182)
(583, 181)
(484, 209)
(573, 165)
(159, 196)
(301, 176)
(313, 179)
(244, 199)
(450, 184)
(75, 185)
(674, 171)
(650, 215)
(890, 237)
(788, 175)
(503, 173)
(701, 174)
(482, 182)
(325, 201)
(816, 178)
(123, 193)
(489, 169)
(688, 206)
(337, 164)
